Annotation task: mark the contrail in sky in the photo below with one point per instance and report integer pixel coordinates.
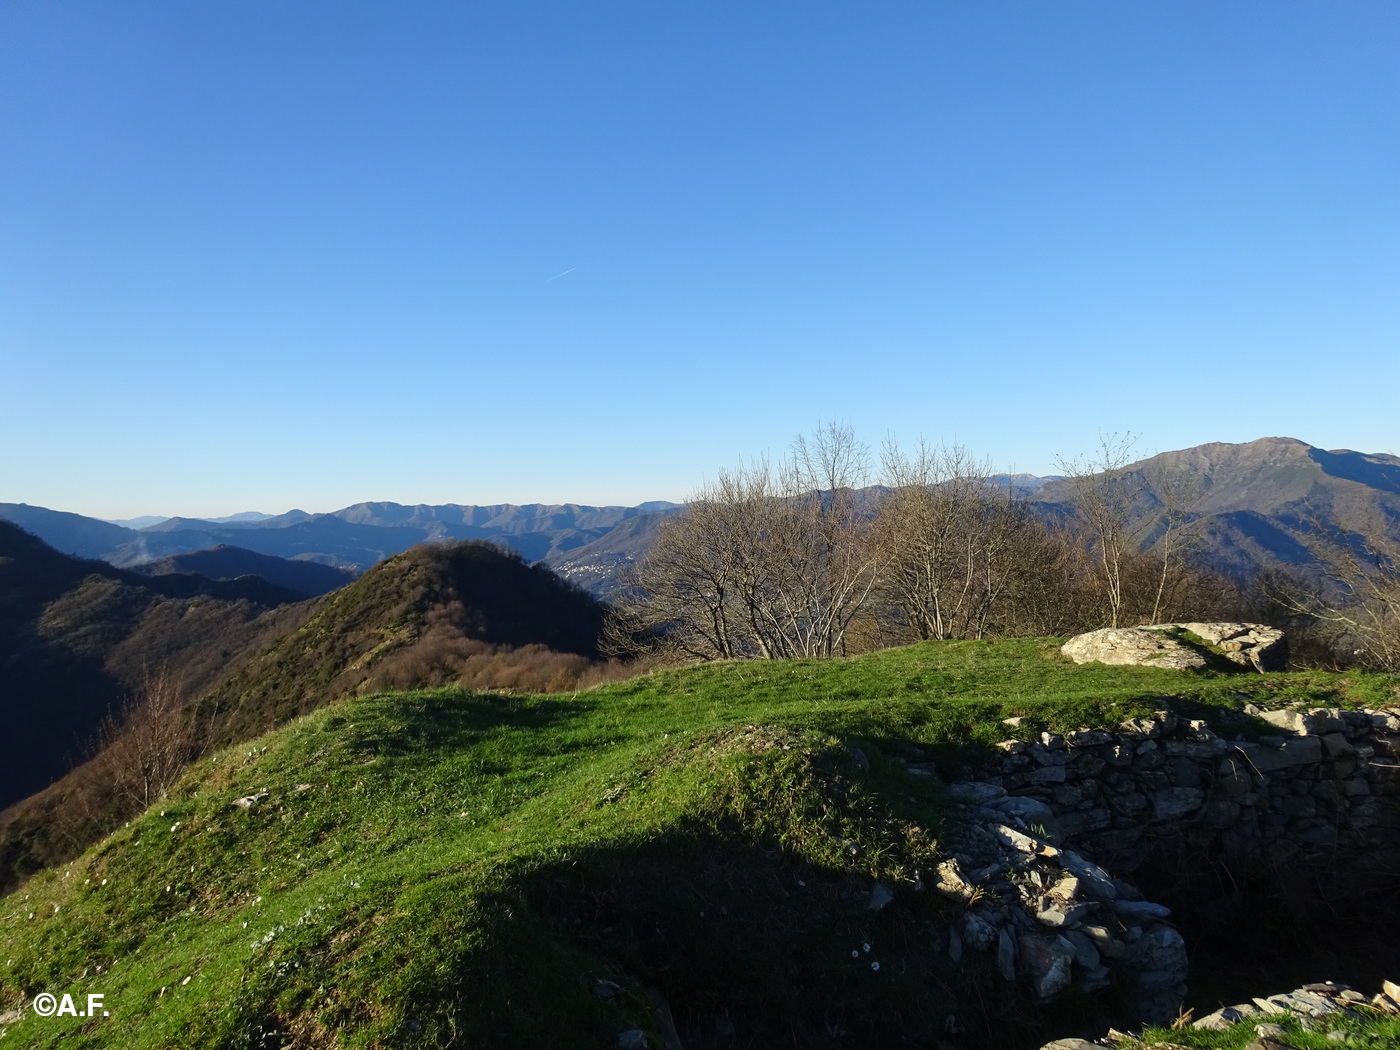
(556, 277)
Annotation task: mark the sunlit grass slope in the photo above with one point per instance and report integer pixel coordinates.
(442, 868)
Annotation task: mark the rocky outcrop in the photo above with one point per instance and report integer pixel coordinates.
(1182, 646)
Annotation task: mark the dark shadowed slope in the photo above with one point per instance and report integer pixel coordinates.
(77, 636)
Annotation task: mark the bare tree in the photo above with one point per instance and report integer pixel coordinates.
(150, 741)
(947, 541)
(1356, 596)
(763, 562)
(1177, 490)
(1107, 500)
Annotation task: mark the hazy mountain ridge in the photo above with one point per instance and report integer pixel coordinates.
(352, 538)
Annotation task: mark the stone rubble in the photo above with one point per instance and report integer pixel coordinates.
(1054, 919)
(1311, 1005)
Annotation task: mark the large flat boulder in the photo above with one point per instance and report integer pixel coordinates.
(1132, 645)
(1182, 645)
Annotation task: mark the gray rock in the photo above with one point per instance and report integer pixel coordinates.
(1132, 645)
(1337, 745)
(1176, 802)
(1136, 911)
(633, 1039)
(1006, 953)
(1298, 751)
(1088, 738)
(1292, 721)
(604, 989)
(1086, 955)
(1105, 942)
(978, 932)
(976, 793)
(1226, 1016)
(1046, 962)
(1025, 844)
(1097, 883)
(1061, 915)
(1247, 644)
(1026, 811)
(881, 897)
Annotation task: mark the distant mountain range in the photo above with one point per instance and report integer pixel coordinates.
(353, 538)
(1258, 505)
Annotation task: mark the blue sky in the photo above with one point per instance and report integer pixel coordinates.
(265, 255)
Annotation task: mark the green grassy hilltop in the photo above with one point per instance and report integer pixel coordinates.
(440, 868)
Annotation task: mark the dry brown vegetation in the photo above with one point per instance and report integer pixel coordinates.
(443, 655)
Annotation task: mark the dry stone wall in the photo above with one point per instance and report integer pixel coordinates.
(1327, 781)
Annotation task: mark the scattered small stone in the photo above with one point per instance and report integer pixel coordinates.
(605, 989)
(880, 897)
(949, 881)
